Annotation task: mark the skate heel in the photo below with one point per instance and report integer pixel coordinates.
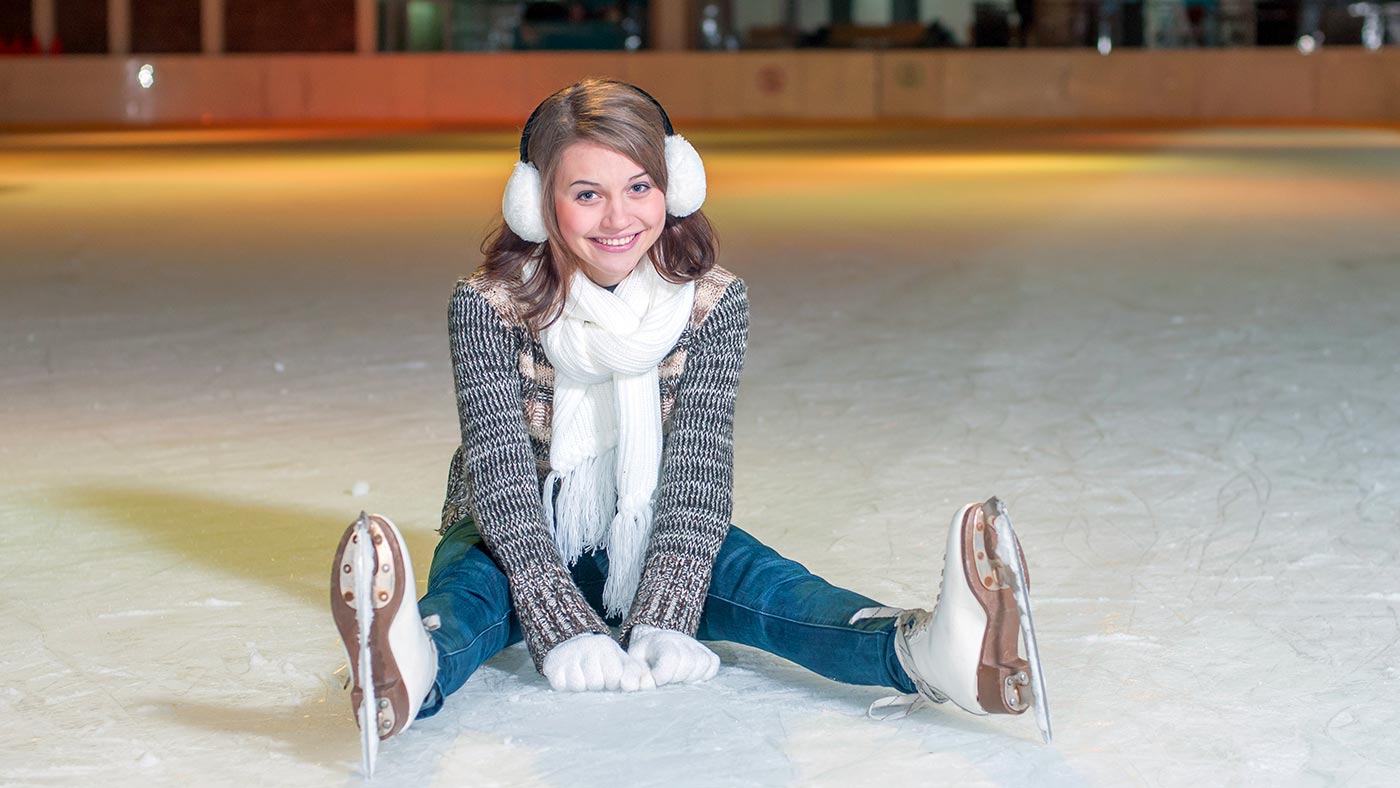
(1002, 677)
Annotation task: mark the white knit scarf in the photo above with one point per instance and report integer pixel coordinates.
(605, 450)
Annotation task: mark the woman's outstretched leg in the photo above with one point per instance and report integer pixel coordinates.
(470, 599)
(968, 649)
(761, 599)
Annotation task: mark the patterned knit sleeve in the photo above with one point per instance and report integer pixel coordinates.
(500, 471)
(697, 474)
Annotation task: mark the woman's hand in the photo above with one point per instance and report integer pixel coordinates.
(673, 657)
(595, 662)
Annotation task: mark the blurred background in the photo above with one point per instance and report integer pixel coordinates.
(218, 61)
(1131, 266)
(211, 26)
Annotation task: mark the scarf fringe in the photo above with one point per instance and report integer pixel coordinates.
(580, 514)
(628, 537)
(579, 520)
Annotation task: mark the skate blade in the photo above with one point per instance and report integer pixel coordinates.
(1009, 552)
(369, 739)
(365, 565)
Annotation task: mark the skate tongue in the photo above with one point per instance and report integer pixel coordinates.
(875, 612)
(895, 707)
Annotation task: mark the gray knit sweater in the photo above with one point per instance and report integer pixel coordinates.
(505, 388)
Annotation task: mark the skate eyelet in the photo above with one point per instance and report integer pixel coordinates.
(349, 596)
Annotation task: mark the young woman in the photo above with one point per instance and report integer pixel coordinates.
(597, 355)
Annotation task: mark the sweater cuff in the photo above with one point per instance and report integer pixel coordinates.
(672, 594)
(550, 609)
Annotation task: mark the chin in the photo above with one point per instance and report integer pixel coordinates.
(612, 269)
(616, 273)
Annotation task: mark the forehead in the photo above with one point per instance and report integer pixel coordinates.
(593, 162)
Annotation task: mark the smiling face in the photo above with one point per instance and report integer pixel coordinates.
(609, 210)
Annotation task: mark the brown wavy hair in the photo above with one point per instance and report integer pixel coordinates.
(614, 115)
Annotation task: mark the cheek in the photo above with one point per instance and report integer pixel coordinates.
(655, 211)
(571, 219)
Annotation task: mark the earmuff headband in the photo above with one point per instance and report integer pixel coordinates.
(530, 123)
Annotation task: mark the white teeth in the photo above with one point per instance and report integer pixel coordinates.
(616, 241)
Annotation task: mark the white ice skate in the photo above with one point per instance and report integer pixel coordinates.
(393, 660)
(968, 650)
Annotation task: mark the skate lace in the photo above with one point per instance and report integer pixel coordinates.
(908, 623)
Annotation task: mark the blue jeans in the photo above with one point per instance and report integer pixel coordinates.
(756, 597)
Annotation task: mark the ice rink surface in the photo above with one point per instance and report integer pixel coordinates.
(1175, 353)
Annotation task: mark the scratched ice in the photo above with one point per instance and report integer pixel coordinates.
(1173, 353)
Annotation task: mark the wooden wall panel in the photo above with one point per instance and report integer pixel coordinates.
(501, 88)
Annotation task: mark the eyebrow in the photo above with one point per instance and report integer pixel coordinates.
(641, 174)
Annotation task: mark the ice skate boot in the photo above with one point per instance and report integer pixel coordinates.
(970, 648)
(393, 660)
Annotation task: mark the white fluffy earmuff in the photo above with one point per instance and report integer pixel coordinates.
(523, 205)
(685, 177)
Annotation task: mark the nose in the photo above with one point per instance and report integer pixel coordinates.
(616, 216)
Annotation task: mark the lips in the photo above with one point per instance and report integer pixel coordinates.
(618, 244)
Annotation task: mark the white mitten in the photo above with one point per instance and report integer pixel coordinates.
(594, 662)
(672, 656)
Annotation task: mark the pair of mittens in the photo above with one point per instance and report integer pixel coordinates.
(594, 662)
